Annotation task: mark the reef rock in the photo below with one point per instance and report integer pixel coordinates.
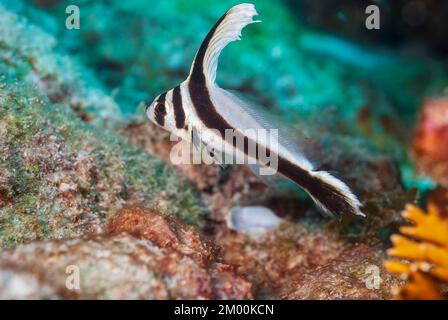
(60, 177)
(357, 273)
(159, 258)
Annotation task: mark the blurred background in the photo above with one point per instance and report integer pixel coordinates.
(305, 53)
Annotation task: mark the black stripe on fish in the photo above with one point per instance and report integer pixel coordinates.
(197, 87)
(160, 115)
(179, 113)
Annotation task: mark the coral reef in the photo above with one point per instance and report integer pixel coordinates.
(86, 181)
(425, 246)
(61, 178)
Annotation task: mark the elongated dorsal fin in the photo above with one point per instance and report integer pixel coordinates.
(226, 30)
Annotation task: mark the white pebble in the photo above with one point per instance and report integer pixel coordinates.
(252, 220)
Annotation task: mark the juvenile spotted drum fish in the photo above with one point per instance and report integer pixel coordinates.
(225, 123)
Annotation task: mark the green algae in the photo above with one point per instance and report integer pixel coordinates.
(42, 170)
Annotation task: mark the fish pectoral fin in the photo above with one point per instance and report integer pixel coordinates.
(207, 152)
(195, 139)
(215, 156)
(226, 30)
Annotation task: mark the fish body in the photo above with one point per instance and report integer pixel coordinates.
(228, 125)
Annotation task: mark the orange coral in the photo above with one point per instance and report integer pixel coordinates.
(424, 250)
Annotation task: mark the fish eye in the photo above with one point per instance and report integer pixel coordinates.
(160, 108)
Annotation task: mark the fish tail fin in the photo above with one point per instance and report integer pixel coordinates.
(332, 195)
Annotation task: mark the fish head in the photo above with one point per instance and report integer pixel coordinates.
(161, 112)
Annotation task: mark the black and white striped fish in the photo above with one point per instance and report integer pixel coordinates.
(199, 104)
